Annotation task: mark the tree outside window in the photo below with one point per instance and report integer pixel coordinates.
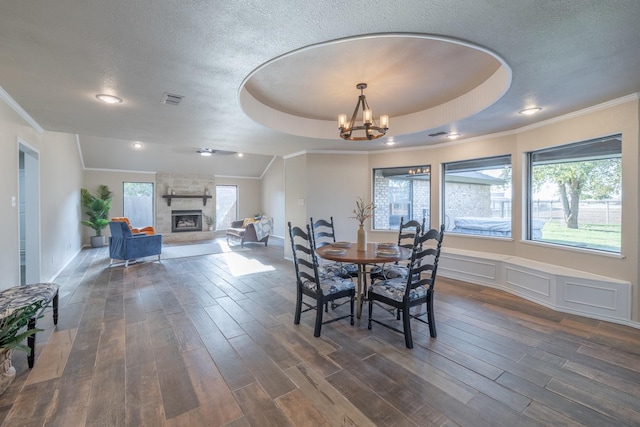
(576, 191)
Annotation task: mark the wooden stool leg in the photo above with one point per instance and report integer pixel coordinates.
(31, 342)
(55, 309)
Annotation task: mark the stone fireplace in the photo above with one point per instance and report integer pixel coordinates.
(181, 217)
(186, 220)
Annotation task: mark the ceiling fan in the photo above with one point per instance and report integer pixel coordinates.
(203, 151)
(208, 152)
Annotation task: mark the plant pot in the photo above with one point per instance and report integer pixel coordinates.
(7, 371)
(97, 241)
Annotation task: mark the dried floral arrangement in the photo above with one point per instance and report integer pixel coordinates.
(363, 211)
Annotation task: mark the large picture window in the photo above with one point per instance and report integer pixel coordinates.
(138, 203)
(575, 194)
(226, 206)
(402, 192)
(477, 196)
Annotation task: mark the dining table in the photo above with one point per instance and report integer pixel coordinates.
(375, 253)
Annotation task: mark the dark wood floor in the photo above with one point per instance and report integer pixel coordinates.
(210, 341)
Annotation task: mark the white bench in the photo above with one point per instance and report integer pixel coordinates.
(556, 287)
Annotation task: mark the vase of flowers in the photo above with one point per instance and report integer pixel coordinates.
(361, 213)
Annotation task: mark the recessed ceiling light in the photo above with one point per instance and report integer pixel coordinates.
(109, 99)
(137, 145)
(390, 142)
(240, 154)
(453, 135)
(530, 111)
(206, 152)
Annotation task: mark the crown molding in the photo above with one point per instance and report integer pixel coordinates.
(4, 95)
(574, 114)
(120, 171)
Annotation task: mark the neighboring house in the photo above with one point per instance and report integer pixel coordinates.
(470, 194)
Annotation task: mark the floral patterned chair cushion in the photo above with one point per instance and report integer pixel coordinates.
(20, 296)
(329, 270)
(392, 271)
(395, 288)
(331, 285)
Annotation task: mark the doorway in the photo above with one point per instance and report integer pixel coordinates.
(29, 215)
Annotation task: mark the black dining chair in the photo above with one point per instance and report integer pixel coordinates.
(416, 289)
(399, 269)
(323, 290)
(323, 233)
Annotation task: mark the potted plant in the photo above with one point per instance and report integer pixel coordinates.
(210, 220)
(12, 335)
(97, 210)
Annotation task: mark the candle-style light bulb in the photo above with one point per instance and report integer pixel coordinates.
(342, 120)
(367, 116)
(384, 121)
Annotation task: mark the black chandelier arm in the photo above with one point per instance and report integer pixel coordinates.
(352, 122)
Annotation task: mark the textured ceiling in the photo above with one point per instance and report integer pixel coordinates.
(563, 56)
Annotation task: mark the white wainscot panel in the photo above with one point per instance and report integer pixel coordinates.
(469, 269)
(607, 299)
(533, 284)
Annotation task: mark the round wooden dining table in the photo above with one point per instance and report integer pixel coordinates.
(361, 259)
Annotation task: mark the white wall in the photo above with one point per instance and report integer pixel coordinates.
(249, 194)
(605, 120)
(60, 211)
(60, 181)
(273, 197)
(334, 183)
(295, 195)
(115, 180)
(324, 186)
(328, 184)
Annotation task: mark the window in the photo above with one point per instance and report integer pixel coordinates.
(138, 203)
(575, 194)
(477, 196)
(226, 206)
(402, 192)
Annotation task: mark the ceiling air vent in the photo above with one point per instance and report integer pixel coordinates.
(171, 99)
(438, 134)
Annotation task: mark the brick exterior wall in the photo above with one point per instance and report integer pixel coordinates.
(462, 199)
(419, 208)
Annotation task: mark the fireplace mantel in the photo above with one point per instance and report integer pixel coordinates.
(204, 197)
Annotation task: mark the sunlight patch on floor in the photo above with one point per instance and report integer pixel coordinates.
(239, 265)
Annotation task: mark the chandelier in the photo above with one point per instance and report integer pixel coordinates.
(420, 170)
(368, 129)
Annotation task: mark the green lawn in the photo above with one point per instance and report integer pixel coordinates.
(592, 236)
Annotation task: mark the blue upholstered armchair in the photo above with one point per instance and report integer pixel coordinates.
(126, 246)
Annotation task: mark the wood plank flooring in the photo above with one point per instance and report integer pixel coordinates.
(210, 341)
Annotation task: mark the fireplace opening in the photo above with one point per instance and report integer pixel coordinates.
(186, 221)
